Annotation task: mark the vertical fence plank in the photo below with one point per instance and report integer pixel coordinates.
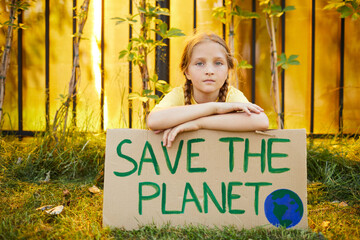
(34, 68)
(263, 73)
(297, 78)
(60, 52)
(179, 9)
(89, 91)
(327, 70)
(243, 49)
(116, 71)
(204, 19)
(351, 111)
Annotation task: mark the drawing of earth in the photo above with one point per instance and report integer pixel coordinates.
(284, 208)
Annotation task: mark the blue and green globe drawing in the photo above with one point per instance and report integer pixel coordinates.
(284, 208)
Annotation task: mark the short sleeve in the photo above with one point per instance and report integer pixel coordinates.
(174, 98)
(235, 95)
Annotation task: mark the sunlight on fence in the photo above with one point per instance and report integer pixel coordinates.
(317, 76)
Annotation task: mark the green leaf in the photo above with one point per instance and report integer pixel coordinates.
(355, 4)
(119, 20)
(244, 14)
(149, 41)
(156, 97)
(282, 57)
(294, 62)
(264, 2)
(334, 4)
(152, 9)
(220, 13)
(285, 66)
(122, 53)
(345, 11)
(174, 32)
(163, 28)
(284, 62)
(162, 86)
(142, 10)
(147, 92)
(163, 11)
(143, 99)
(276, 8)
(292, 57)
(244, 64)
(154, 78)
(288, 8)
(133, 95)
(355, 16)
(131, 56)
(131, 20)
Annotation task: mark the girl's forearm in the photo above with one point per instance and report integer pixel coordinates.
(170, 117)
(235, 122)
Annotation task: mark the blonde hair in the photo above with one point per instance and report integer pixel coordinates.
(186, 57)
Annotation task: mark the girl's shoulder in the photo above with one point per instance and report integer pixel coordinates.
(174, 98)
(235, 95)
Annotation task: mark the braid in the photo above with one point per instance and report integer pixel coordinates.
(187, 92)
(223, 91)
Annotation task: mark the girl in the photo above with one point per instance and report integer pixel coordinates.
(206, 101)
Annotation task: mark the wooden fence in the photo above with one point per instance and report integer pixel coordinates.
(322, 94)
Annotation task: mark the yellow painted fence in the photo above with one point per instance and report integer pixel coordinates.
(323, 67)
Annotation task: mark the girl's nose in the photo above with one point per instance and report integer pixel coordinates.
(209, 71)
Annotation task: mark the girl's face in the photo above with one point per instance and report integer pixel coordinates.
(208, 70)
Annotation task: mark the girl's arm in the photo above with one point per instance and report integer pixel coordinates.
(171, 117)
(225, 122)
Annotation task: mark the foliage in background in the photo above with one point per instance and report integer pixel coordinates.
(272, 12)
(15, 9)
(61, 115)
(333, 167)
(346, 8)
(141, 45)
(336, 164)
(226, 14)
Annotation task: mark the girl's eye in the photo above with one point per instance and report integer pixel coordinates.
(219, 63)
(199, 64)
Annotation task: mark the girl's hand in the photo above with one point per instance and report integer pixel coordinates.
(171, 133)
(248, 108)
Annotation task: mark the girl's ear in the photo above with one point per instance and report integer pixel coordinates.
(187, 75)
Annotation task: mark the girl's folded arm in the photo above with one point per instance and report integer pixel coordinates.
(170, 117)
(239, 121)
(174, 116)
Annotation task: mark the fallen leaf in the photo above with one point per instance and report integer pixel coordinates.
(66, 193)
(44, 207)
(340, 204)
(94, 189)
(47, 178)
(325, 224)
(343, 204)
(56, 210)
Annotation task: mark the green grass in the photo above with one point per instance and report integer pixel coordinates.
(334, 187)
(76, 163)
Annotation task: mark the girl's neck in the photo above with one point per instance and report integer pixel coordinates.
(200, 97)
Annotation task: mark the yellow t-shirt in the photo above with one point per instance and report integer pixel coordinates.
(176, 98)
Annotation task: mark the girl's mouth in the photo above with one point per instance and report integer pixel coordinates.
(209, 80)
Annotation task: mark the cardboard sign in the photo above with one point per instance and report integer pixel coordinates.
(213, 178)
